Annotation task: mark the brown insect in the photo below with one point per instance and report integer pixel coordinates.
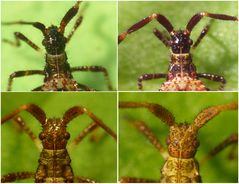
(180, 165)
(54, 162)
(182, 74)
(57, 71)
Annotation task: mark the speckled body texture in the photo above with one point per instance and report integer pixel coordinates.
(54, 167)
(176, 170)
(184, 83)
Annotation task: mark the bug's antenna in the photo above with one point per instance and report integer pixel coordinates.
(197, 17)
(37, 25)
(68, 16)
(158, 110)
(36, 111)
(207, 114)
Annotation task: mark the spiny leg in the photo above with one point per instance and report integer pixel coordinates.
(68, 16)
(207, 114)
(149, 77)
(196, 18)
(94, 69)
(80, 179)
(19, 120)
(161, 37)
(232, 140)
(11, 177)
(137, 180)
(201, 36)
(216, 78)
(78, 110)
(143, 128)
(19, 36)
(158, 110)
(160, 18)
(22, 74)
(77, 24)
(91, 127)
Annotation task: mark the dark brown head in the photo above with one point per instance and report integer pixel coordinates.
(180, 42)
(182, 141)
(54, 41)
(54, 135)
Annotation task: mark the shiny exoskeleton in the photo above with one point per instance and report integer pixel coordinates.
(54, 162)
(180, 164)
(57, 71)
(182, 74)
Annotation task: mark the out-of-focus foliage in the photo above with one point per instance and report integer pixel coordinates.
(95, 160)
(141, 52)
(94, 42)
(137, 156)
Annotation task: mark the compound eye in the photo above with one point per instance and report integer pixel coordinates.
(67, 135)
(168, 140)
(190, 42)
(42, 136)
(44, 42)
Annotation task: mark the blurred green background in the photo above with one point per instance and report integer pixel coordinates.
(141, 52)
(94, 43)
(95, 160)
(137, 156)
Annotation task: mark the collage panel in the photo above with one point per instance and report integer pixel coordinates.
(91, 50)
(145, 129)
(93, 158)
(145, 52)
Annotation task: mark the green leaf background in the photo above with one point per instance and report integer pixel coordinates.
(141, 52)
(138, 158)
(95, 160)
(94, 43)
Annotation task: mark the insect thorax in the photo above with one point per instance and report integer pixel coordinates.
(179, 170)
(57, 65)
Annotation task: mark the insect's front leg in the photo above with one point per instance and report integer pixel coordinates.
(94, 69)
(22, 74)
(149, 77)
(20, 37)
(11, 177)
(137, 180)
(216, 78)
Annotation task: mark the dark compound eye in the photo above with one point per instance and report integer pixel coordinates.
(67, 135)
(42, 136)
(190, 42)
(168, 140)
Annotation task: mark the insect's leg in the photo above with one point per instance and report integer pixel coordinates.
(201, 36)
(18, 119)
(149, 77)
(232, 140)
(34, 110)
(207, 114)
(77, 24)
(143, 128)
(21, 74)
(158, 110)
(83, 134)
(11, 177)
(216, 78)
(137, 180)
(19, 36)
(94, 69)
(161, 37)
(80, 179)
(85, 88)
(196, 18)
(160, 18)
(68, 16)
(78, 110)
